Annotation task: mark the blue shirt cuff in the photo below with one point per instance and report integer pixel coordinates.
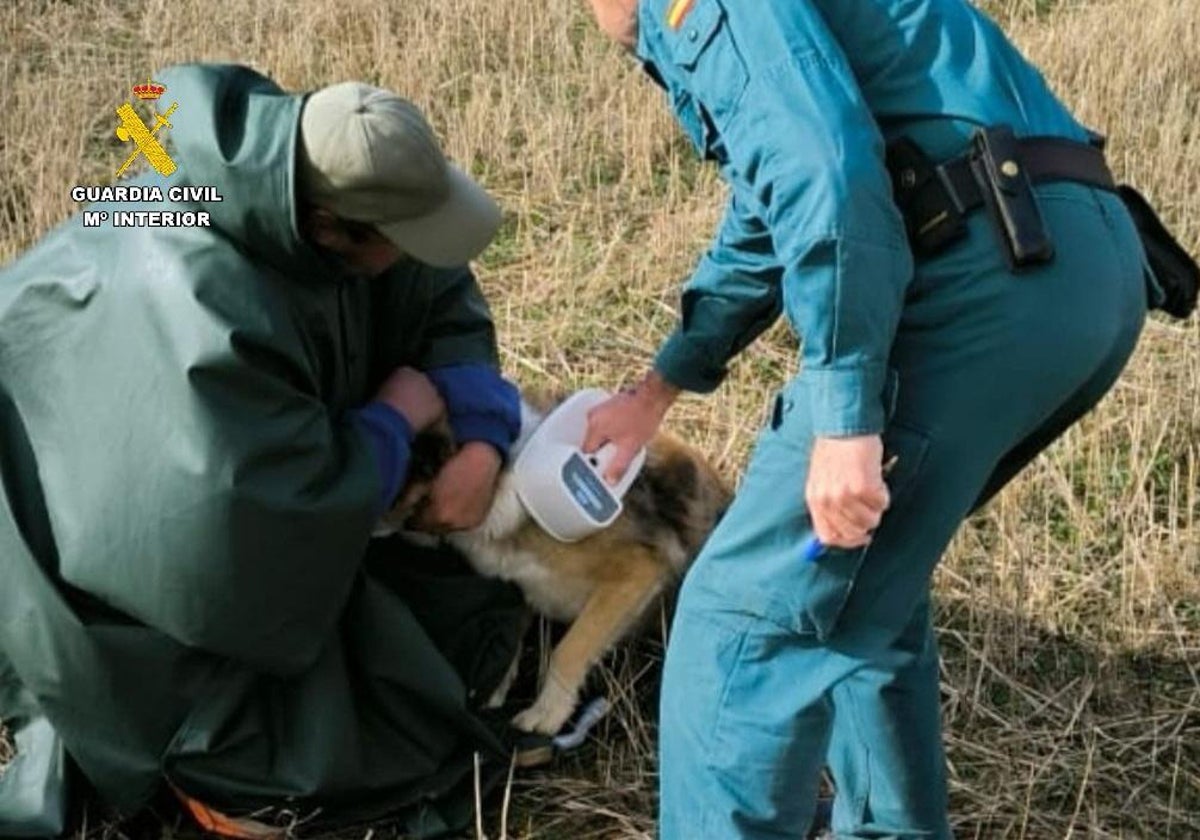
(391, 436)
(481, 405)
(485, 428)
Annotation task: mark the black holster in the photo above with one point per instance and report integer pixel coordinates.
(935, 199)
(1176, 275)
(1009, 198)
(934, 218)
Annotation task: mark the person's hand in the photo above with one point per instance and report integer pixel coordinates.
(628, 421)
(412, 394)
(846, 493)
(461, 495)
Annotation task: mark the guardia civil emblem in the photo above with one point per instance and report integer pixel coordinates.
(132, 129)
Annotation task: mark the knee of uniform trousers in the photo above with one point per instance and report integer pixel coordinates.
(885, 751)
(743, 729)
(751, 712)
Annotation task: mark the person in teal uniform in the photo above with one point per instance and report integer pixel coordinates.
(946, 241)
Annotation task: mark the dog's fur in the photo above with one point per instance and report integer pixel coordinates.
(604, 585)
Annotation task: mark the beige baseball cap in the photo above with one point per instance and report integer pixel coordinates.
(368, 155)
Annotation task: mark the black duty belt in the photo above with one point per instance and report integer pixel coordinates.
(997, 173)
(1044, 159)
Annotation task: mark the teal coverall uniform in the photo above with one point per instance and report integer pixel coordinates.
(777, 666)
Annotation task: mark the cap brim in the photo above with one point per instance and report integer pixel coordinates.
(456, 232)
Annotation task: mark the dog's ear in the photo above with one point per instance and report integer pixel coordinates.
(429, 452)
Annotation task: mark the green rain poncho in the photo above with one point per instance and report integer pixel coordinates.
(186, 587)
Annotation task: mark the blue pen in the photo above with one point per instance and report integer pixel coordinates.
(814, 548)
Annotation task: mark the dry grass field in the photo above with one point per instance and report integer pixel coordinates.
(1069, 609)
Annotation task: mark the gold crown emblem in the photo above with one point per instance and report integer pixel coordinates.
(149, 91)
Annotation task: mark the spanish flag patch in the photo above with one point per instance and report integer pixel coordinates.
(678, 11)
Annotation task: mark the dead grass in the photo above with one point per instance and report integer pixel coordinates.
(1069, 609)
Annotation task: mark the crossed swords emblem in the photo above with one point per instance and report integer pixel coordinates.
(132, 128)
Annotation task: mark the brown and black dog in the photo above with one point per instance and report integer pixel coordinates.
(604, 585)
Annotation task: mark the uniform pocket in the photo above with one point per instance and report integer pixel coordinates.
(812, 596)
(831, 579)
(702, 45)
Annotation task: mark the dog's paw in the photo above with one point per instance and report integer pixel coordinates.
(549, 712)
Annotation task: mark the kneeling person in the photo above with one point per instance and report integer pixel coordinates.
(199, 427)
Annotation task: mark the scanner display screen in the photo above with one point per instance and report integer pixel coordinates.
(588, 489)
